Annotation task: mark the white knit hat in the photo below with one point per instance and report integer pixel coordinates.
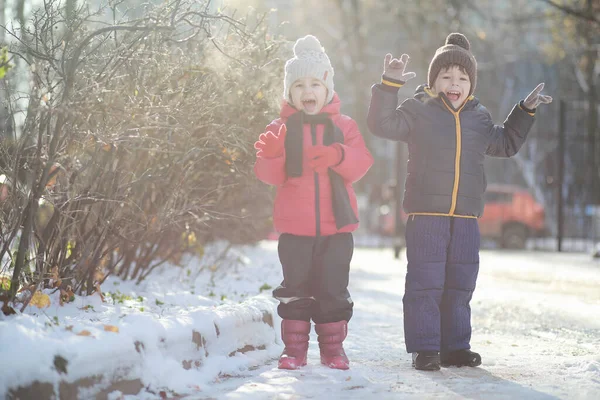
(309, 60)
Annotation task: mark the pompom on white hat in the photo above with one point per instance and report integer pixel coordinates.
(309, 60)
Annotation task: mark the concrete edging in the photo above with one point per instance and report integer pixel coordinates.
(193, 350)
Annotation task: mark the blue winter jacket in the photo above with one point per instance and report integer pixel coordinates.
(447, 147)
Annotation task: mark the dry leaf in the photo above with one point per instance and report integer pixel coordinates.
(98, 274)
(6, 309)
(69, 328)
(108, 147)
(4, 282)
(111, 328)
(55, 281)
(66, 295)
(55, 170)
(40, 300)
(85, 333)
(99, 291)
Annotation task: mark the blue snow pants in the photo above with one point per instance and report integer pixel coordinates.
(443, 262)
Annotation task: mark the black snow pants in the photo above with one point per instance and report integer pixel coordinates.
(315, 277)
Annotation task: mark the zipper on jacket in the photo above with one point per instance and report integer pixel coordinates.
(313, 134)
(457, 157)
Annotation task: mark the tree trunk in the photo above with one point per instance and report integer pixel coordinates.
(2, 20)
(20, 11)
(70, 6)
(592, 118)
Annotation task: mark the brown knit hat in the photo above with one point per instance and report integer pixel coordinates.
(456, 51)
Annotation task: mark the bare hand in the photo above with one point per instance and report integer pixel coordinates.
(394, 68)
(534, 98)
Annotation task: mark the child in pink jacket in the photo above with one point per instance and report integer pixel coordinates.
(313, 154)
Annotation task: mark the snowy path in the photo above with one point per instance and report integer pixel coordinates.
(536, 319)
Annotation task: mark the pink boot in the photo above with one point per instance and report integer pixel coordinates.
(331, 336)
(295, 338)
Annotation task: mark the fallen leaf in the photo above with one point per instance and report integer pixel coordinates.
(69, 328)
(66, 295)
(6, 309)
(111, 328)
(85, 333)
(40, 300)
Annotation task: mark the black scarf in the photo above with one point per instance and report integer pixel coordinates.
(342, 209)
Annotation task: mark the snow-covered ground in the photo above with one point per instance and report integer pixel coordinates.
(160, 313)
(536, 319)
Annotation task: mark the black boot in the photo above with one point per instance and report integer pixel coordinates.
(426, 360)
(460, 358)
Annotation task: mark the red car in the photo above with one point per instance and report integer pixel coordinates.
(511, 216)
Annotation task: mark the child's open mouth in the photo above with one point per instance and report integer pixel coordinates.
(453, 95)
(309, 105)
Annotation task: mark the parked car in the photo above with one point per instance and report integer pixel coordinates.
(511, 216)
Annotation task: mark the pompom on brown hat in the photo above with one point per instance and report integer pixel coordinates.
(456, 51)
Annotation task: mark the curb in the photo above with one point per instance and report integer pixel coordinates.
(119, 368)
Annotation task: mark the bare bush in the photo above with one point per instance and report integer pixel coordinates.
(137, 144)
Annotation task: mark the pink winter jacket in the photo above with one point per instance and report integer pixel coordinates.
(296, 205)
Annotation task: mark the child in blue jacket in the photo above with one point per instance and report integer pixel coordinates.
(449, 133)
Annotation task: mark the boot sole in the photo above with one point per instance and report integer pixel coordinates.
(335, 366)
(433, 366)
(458, 365)
(289, 367)
(465, 362)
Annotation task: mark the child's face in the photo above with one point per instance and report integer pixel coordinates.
(454, 83)
(308, 94)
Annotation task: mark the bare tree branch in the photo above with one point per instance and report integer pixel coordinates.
(581, 14)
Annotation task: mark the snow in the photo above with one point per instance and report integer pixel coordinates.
(535, 318)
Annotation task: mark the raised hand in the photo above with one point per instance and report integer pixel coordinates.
(270, 145)
(394, 68)
(534, 98)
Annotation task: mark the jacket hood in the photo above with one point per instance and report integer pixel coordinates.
(331, 108)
